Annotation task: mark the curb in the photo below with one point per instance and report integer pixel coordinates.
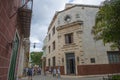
(87, 76)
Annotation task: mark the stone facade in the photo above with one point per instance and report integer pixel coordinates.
(12, 33)
(44, 55)
(86, 54)
(23, 57)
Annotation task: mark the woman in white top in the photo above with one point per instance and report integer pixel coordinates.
(58, 72)
(54, 72)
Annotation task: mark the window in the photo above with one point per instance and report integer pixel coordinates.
(49, 36)
(67, 18)
(77, 15)
(113, 56)
(69, 38)
(49, 49)
(53, 61)
(92, 60)
(82, 7)
(48, 62)
(53, 30)
(78, 59)
(54, 45)
(23, 2)
(58, 22)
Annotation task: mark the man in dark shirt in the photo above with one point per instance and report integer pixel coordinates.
(30, 73)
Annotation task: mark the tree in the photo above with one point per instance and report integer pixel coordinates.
(107, 25)
(36, 58)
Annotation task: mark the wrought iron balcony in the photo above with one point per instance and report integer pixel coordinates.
(24, 18)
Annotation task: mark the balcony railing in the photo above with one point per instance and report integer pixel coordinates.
(24, 18)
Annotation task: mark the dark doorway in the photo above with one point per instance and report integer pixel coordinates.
(70, 63)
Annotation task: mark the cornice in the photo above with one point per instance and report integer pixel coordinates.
(74, 5)
(69, 25)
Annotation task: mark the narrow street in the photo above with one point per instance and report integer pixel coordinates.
(60, 39)
(50, 77)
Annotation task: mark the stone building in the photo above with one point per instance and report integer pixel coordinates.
(71, 46)
(44, 54)
(23, 57)
(15, 19)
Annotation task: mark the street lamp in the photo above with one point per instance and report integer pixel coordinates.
(34, 45)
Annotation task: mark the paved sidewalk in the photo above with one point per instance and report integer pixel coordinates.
(86, 76)
(50, 77)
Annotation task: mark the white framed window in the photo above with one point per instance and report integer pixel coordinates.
(113, 56)
(23, 2)
(77, 15)
(69, 38)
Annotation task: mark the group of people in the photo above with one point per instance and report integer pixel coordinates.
(37, 71)
(32, 71)
(55, 72)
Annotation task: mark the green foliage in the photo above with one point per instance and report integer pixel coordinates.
(36, 58)
(107, 25)
(116, 77)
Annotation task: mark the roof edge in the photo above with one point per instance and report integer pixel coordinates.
(74, 5)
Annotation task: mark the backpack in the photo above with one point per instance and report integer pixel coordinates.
(29, 71)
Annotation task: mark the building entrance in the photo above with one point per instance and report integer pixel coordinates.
(13, 59)
(70, 63)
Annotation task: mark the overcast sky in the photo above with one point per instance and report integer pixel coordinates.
(43, 12)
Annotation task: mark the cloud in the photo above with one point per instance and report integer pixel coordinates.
(36, 49)
(43, 12)
(71, 0)
(91, 2)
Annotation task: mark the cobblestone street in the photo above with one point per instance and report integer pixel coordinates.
(50, 77)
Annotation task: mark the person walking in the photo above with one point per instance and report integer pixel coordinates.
(50, 70)
(30, 73)
(54, 72)
(24, 72)
(39, 71)
(58, 72)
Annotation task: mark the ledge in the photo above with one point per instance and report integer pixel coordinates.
(69, 45)
(70, 24)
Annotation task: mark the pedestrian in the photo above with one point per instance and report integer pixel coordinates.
(33, 69)
(54, 72)
(24, 71)
(39, 71)
(58, 72)
(50, 70)
(30, 73)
